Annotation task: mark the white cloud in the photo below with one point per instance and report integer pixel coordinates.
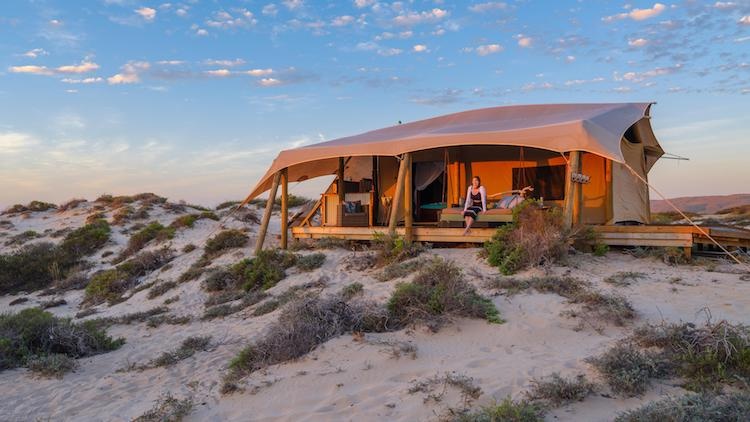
(642, 76)
(270, 10)
(259, 72)
(486, 7)
(638, 42)
(525, 42)
(146, 13)
(269, 82)
(84, 67)
(55, 22)
(201, 32)
(724, 5)
(582, 81)
(181, 12)
(35, 53)
(484, 50)
(637, 14)
(419, 48)
(570, 59)
(239, 18)
(16, 142)
(745, 20)
(130, 73)
(363, 3)
(83, 81)
(416, 18)
(219, 72)
(342, 20)
(293, 4)
(224, 63)
(387, 52)
(170, 62)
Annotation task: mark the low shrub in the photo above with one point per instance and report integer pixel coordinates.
(534, 237)
(439, 290)
(224, 309)
(122, 215)
(167, 408)
(72, 204)
(399, 269)
(311, 261)
(301, 327)
(395, 248)
(436, 387)
(152, 231)
(32, 206)
(110, 285)
(351, 290)
(84, 241)
(34, 335)
(161, 288)
(506, 411)
(188, 220)
(707, 406)
(557, 391)
(264, 270)
(54, 365)
(188, 348)
(29, 268)
(223, 241)
(227, 204)
(266, 307)
(627, 369)
(624, 278)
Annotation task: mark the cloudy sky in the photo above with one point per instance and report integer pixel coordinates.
(192, 99)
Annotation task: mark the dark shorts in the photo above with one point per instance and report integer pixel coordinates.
(472, 212)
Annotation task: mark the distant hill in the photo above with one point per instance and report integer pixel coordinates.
(702, 204)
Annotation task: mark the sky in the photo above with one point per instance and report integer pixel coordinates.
(193, 99)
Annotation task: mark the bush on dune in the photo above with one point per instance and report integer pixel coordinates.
(109, 285)
(152, 231)
(707, 406)
(534, 237)
(36, 266)
(223, 241)
(34, 337)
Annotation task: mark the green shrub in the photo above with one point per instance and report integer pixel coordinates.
(167, 409)
(439, 289)
(107, 286)
(189, 220)
(161, 288)
(311, 261)
(227, 204)
(534, 237)
(54, 365)
(399, 269)
(187, 348)
(152, 231)
(40, 206)
(395, 248)
(264, 270)
(85, 240)
(266, 307)
(600, 249)
(351, 290)
(506, 411)
(557, 391)
(28, 268)
(33, 334)
(704, 407)
(227, 239)
(627, 369)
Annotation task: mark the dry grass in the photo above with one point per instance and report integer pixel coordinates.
(167, 409)
(557, 391)
(707, 406)
(624, 278)
(436, 387)
(507, 410)
(627, 369)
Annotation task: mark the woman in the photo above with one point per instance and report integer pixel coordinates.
(476, 202)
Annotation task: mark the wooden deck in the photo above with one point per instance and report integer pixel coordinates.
(649, 235)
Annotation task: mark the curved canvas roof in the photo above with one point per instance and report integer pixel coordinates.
(595, 128)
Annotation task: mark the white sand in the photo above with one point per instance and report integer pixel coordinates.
(349, 378)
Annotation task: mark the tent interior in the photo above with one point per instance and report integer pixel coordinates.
(440, 178)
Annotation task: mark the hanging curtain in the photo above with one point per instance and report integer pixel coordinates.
(426, 172)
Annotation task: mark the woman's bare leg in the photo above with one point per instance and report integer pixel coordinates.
(468, 220)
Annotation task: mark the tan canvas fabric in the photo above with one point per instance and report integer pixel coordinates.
(630, 196)
(594, 128)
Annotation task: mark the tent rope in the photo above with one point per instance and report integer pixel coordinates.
(700, 229)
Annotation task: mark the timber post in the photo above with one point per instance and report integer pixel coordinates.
(267, 214)
(340, 181)
(571, 188)
(408, 200)
(397, 197)
(284, 208)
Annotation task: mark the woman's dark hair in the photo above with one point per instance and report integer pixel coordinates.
(478, 180)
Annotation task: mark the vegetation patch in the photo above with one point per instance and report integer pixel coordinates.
(301, 327)
(161, 288)
(399, 269)
(32, 335)
(439, 290)
(54, 365)
(188, 221)
(152, 231)
(219, 311)
(506, 411)
(436, 387)
(557, 391)
(351, 290)
(223, 241)
(395, 248)
(110, 285)
(624, 278)
(534, 237)
(72, 204)
(188, 348)
(311, 261)
(167, 408)
(707, 406)
(627, 369)
(34, 206)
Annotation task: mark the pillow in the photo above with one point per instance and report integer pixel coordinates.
(510, 202)
(349, 207)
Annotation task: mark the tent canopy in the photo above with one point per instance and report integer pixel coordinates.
(594, 128)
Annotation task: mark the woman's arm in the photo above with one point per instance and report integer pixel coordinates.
(468, 199)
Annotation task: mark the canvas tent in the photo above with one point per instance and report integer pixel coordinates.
(608, 142)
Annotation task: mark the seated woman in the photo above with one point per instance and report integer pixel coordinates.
(476, 202)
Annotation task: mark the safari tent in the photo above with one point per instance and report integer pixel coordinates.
(590, 160)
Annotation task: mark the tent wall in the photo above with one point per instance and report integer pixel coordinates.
(594, 210)
(629, 195)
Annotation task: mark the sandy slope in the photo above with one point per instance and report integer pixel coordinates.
(351, 378)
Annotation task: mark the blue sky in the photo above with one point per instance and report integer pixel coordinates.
(193, 99)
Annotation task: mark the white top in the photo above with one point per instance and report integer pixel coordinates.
(482, 192)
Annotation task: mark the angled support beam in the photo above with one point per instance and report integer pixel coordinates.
(397, 196)
(267, 214)
(284, 208)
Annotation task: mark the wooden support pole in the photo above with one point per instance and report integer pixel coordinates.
(397, 197)
(408, 200)
(340, 178)
(570, 187)
(284, 208)
(267, 214)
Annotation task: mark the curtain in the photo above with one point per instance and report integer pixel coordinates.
(426, 172)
